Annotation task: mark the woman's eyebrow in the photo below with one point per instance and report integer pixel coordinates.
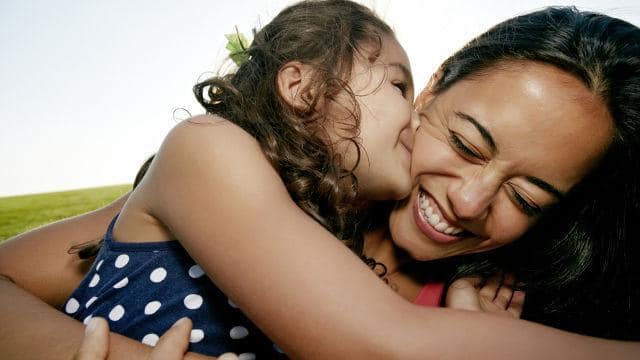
(486, 135)
(546, 187)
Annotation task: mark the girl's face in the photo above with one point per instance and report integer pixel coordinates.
(383, 90)
(492, 152)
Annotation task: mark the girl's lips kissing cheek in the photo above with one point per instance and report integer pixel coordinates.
(430, 221)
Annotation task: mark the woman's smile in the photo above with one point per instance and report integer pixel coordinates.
(433, 221)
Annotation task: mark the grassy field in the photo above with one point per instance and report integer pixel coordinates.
(21, 213)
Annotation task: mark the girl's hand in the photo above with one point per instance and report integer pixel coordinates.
(172, 345)
(495, 295)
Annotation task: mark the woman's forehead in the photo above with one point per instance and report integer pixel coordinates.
(541, 118)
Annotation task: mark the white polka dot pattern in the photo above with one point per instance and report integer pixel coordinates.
(158, 274)
(90, 301)
(142, 293)
(72, 306)
(247, 356)
(122, 261)
(193, 301)
(116, 313)
(152, 307)
(196, 335)
(94, 280)
(122, 283)
(238, 332)
(232, 304)
(277, 348)
(196, 271)
(150, 339)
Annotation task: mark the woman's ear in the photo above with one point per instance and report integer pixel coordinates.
(292, 83)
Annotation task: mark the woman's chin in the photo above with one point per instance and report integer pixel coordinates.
(409, 240)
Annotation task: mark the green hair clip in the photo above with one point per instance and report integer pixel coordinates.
(237, 45)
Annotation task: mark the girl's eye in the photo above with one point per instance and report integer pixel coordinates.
(529, 209)
(459, 144)
(402, 87)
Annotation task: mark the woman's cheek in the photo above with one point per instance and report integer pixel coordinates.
(509, 225)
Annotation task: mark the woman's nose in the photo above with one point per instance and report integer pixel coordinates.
(471, 198)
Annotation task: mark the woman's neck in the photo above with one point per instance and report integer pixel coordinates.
(388, 258)
(379, 247)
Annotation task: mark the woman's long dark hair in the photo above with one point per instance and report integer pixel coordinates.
(577, 263)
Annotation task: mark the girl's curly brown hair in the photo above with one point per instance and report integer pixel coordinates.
(326, 35)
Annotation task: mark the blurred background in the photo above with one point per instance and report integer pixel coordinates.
(88, 89)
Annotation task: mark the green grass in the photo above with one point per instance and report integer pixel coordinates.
(21, 213)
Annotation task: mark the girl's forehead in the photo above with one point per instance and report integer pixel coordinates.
(390, 51)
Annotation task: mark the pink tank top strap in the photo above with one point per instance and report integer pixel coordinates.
(430, 295)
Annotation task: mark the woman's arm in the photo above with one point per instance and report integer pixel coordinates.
(37, 275)
(216, 192)
(38, 260)
(32, 329)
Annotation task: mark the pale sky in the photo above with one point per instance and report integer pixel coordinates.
(88, 89)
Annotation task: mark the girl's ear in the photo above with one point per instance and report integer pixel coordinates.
(292, 83)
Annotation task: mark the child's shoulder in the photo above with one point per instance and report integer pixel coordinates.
(209, 142)
(211, 136)
(208, 128)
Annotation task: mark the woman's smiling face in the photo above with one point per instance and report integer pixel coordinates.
(492, 152)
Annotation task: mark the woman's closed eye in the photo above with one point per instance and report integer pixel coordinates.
(528, 207)
(463, 148)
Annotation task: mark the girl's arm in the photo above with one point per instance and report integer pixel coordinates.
(213, 188)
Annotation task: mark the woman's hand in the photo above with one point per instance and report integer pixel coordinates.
(172, 345)
(494, 295)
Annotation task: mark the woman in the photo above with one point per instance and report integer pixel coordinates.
(575, 69)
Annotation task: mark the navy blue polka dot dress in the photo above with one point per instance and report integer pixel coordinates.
(143, 288)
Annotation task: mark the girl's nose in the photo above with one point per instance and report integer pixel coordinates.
(408, 133)
(415, 121)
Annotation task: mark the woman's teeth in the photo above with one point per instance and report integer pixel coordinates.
(434, 219)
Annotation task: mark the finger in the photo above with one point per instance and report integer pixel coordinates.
(95, 344)
(466, 282)
(505, 292)
(174, 343)
(490, 288)
(517, 303)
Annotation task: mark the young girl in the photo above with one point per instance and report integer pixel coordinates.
(326, 94)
